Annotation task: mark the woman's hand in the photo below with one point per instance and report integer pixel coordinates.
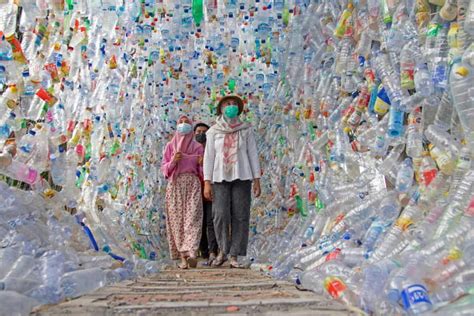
(200, 160)
(177, 156)
(208, 190)
(256, 188)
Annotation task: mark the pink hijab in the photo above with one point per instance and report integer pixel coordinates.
(183, 143)
(186, 145)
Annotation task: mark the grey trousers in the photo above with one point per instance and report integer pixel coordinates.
(231, 211)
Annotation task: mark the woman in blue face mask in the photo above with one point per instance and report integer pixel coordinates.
(231, 165)
(182, 166)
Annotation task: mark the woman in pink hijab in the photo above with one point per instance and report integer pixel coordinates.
(182, 166)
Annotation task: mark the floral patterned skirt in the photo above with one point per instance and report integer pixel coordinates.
(184, 215)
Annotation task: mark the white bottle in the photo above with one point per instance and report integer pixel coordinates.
(80, 282)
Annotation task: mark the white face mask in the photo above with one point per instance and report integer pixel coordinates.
(184, 128)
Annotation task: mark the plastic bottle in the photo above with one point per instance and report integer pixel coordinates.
(22, 172)
(405, 176)
(12, 303)
(407, 67)
(444, 112)
(336, 287)
(444, 159)
(469, 22)
(423, 81)
(428, 170)
(415, 297)
(441, 139)
(449, 10)
(8, 16)
(77, 283)
(414, 147)
(462, 73)
(3, 77)
(463, 165)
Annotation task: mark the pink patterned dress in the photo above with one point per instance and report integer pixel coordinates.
(183, 204)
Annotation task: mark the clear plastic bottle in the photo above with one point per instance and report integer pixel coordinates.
(8, 18)
(428, 170)
(22, 172)
(463, 165)
(469, 22)
(439, 62)
(423, 81)
(441, 139)
(344, 55)
(5, 50)
(444, 159)
(414, 146)
(431, 34)
(407, 67)
(405, 176)
(462, 74)
(415, 297)
(77, 283)
(444, 112)
(3, 77)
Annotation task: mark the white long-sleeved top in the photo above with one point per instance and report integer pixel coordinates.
(247, 166)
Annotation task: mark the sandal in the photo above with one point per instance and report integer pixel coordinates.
(183, 266)
(219, 261)
(192, 262)
(212, 258)
(236, 265)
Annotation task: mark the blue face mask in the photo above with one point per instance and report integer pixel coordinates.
(231, 111)
(184, 128)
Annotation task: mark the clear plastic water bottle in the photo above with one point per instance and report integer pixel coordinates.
(77, 283)
(469, 22)
(405, 176)
(415, 297)
(461, 75)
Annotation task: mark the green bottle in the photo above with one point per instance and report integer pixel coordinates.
(286, 15)
(300, 206)
(70, 4)
(197, 12)
(231, 85)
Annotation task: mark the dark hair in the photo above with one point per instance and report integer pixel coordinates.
(201, 125)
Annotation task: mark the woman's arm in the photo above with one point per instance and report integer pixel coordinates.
(253, 156)
(200, 160)
(168, 163)
(254, 163)
(209, 158)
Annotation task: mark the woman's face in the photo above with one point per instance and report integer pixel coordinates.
(226, 103)
(184, 120)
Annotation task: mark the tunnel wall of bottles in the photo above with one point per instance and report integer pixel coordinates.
(363, 110)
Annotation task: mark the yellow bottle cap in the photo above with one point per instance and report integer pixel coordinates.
(462, 71)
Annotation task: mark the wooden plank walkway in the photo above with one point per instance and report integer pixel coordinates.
(201, 291)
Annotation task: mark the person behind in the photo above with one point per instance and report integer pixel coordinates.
(208, 244)
(230, 166)
(182, 166)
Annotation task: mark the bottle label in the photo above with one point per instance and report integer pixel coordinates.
(453, 41)
(408, 79)
(335, 286)
(413, 295)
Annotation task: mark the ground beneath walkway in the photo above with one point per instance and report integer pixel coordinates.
(201, 291)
